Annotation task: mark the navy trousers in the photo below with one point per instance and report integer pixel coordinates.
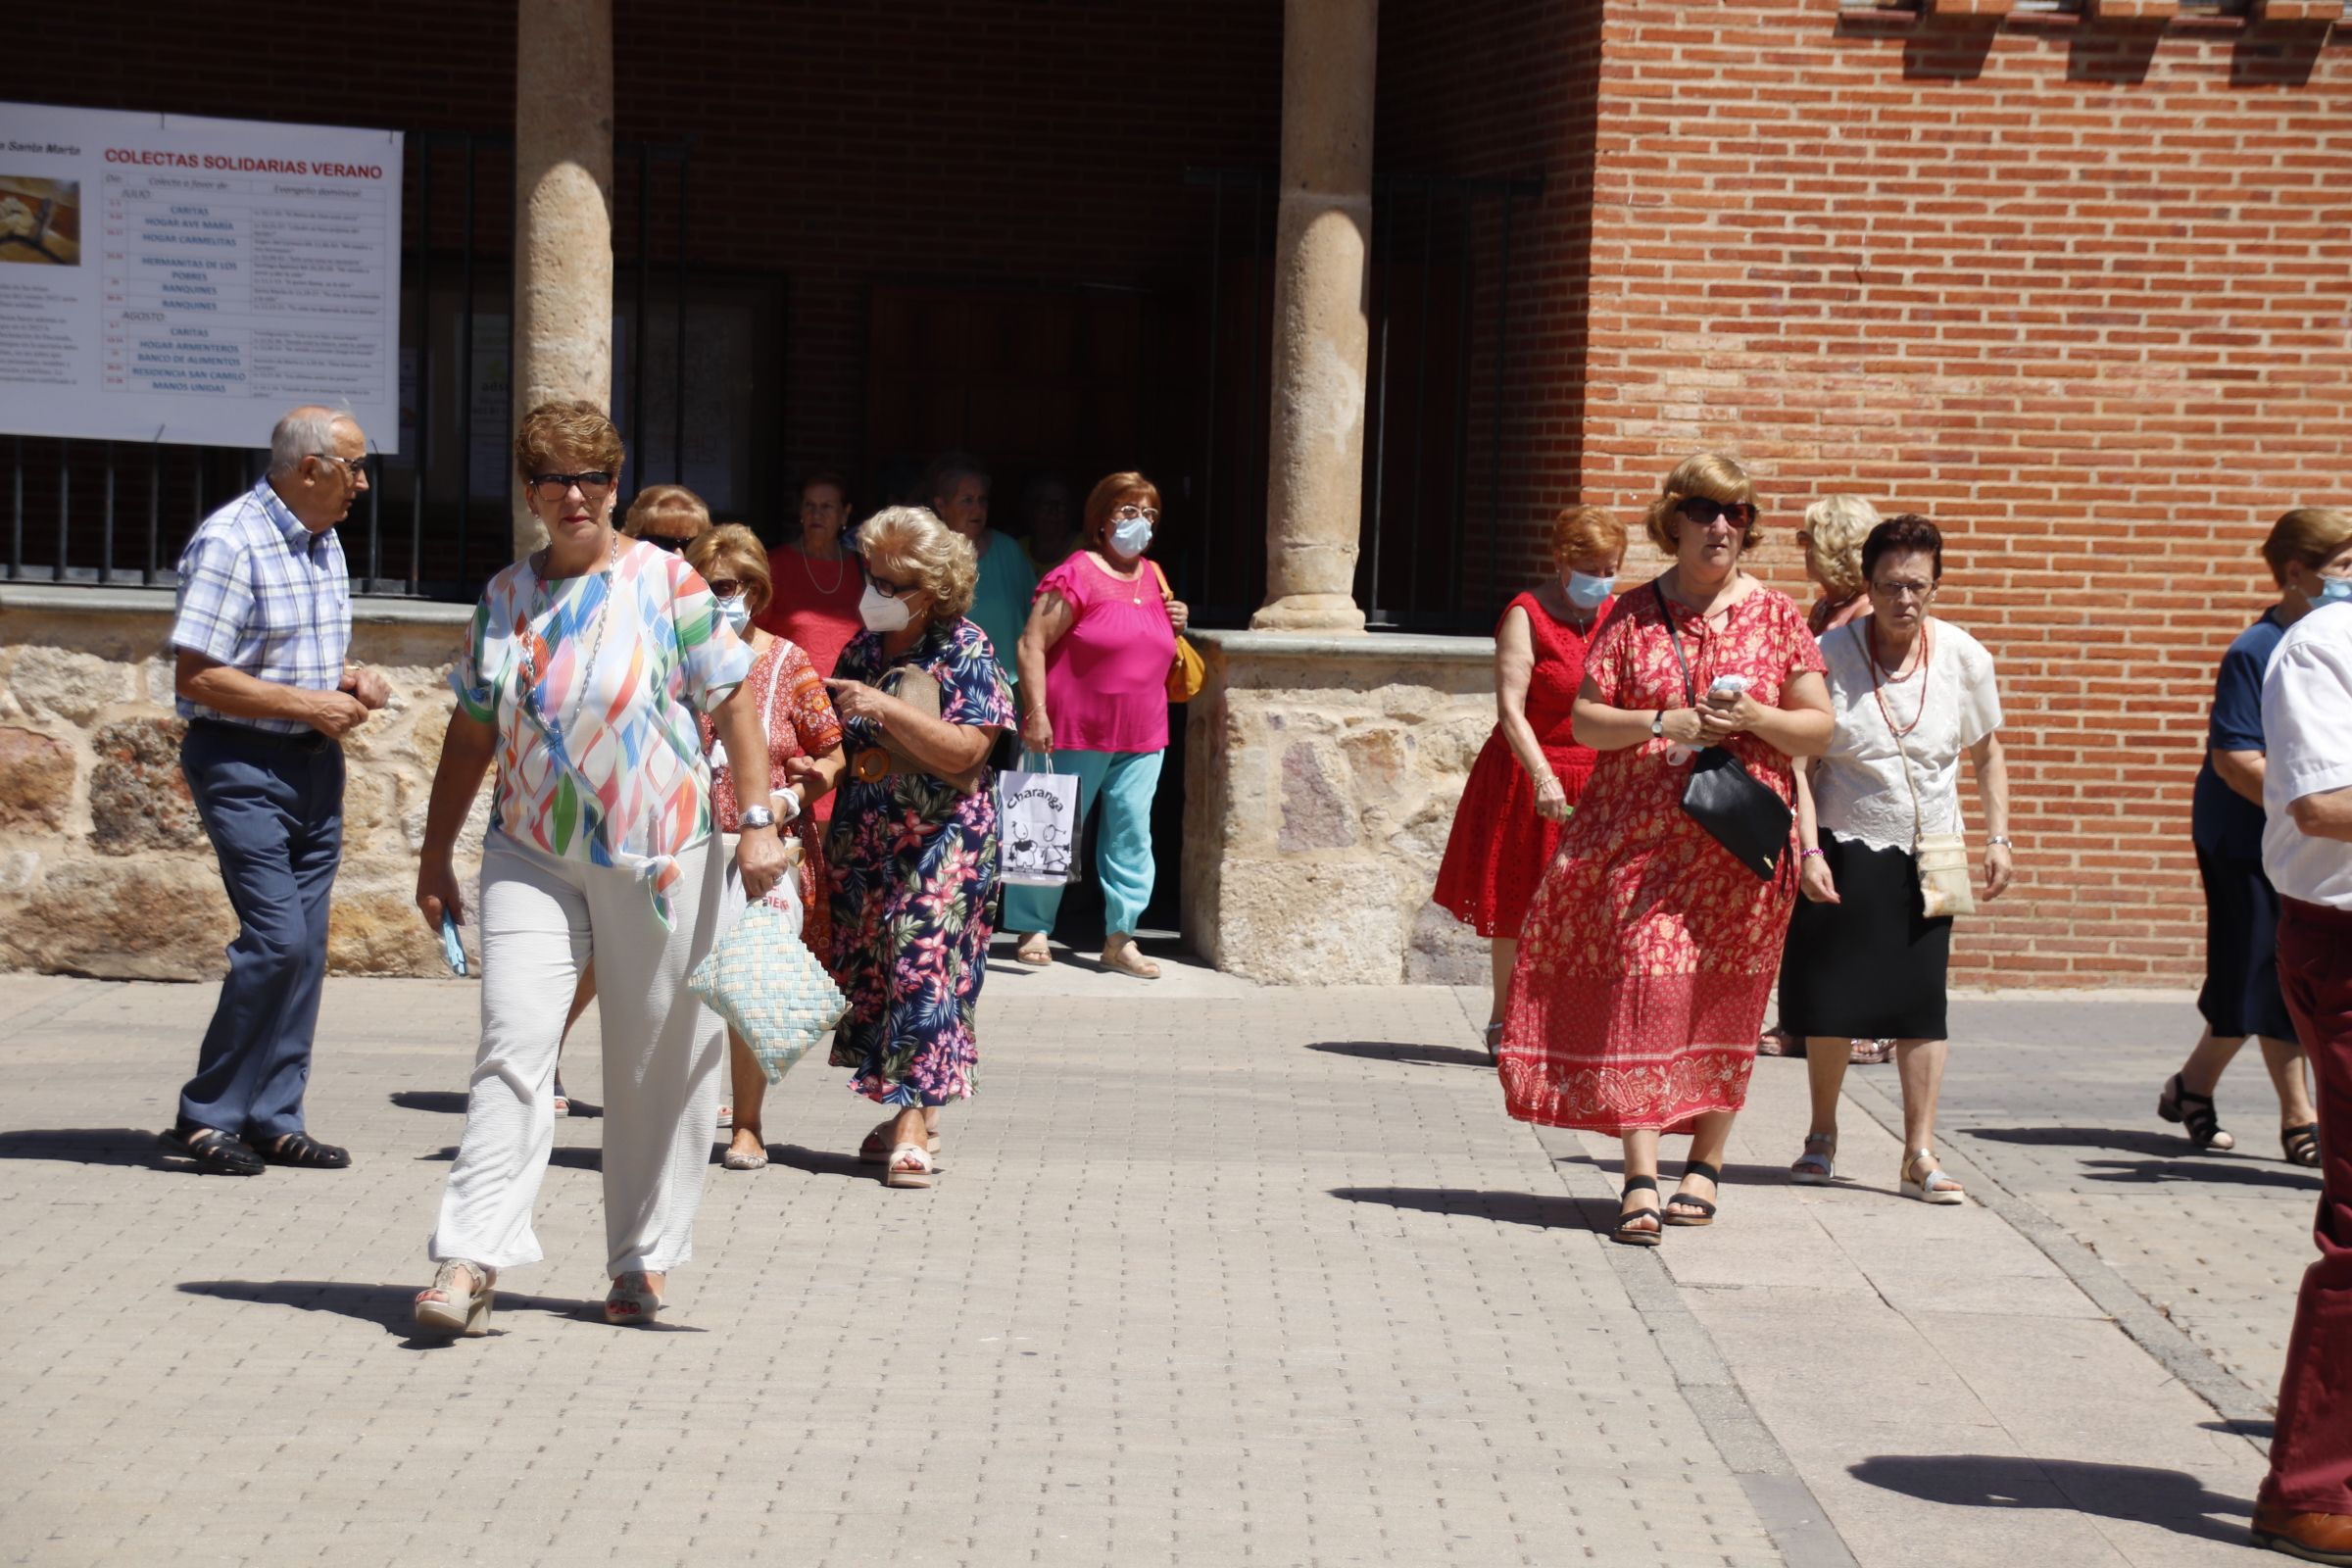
(273, 807)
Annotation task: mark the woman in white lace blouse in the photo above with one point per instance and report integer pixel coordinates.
(1864, 961)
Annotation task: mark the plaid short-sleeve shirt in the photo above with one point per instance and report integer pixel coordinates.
(260, 593)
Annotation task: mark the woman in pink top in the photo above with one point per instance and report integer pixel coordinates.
(1094, 691)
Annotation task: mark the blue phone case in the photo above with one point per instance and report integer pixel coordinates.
(452, 947)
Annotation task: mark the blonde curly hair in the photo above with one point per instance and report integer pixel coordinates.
(1837, 526)
(911, 546)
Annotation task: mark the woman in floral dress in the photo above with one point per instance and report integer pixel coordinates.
(1649, 953)
(913, 842)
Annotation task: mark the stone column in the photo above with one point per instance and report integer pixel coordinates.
(562, 213)
(1322, 333)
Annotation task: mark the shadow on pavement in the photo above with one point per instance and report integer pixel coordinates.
(820, 1161)
(2259, 1430)
(1415, 1055)
(387, 1306)
(2126, 1139)
(1543, 1210)
(133, 1147)
(448, 1101)
(2170, 1499)
(569, 1159)
(2151, 1171)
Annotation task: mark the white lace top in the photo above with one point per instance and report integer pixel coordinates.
(1858, 788)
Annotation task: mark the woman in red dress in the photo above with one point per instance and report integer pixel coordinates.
(1649, 951)
(1527, 779)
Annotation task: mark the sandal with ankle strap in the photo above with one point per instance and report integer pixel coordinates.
(1817, 1167)
(1705, 1206)
(1623, 1231)
(2195, 1113)
(1932, 1185)
(461, 1313)
(2300, 1144)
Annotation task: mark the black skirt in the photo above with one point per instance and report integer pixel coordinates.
(2241, 950)
(1870, 967)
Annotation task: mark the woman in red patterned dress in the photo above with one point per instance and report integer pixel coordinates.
(800, 722)
(1529, 776)
(1649, 951)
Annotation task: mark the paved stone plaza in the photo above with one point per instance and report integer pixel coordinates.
(1214, 1275)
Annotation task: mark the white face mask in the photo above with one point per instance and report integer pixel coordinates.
(735, 612)
(1131, 537)
(881, 613)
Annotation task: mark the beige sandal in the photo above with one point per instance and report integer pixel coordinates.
(1035, 950)
(874, 1147)
(631, 1303)
(910, 1166)
(1120, 952)
(1932, 1185)
(461, 1313)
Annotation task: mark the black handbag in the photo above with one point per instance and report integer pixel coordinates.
(1738, 811)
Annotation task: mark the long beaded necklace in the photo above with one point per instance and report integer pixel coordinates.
(1927, 652)
(530, 663)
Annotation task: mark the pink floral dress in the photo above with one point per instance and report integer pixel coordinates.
(1649, 953)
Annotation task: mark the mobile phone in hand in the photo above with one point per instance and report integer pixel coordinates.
(452, 947)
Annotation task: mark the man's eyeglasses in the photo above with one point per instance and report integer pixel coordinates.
(356, 468)
(1702, 511)
(1149, 514)
(594, 484)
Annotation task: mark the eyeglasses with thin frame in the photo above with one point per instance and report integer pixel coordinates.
(1135, 514)
(595, 484)
(355, 467)
(1899, 591)
(1702, 511)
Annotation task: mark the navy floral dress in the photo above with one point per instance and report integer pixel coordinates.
(913, 863)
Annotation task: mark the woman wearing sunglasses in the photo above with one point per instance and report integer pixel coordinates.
(581, 678)
(799, 722)
(913, 844)
(1648, 951)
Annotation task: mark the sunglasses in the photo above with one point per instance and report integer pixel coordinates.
(662, 540)
(725, 587)
(594, 484)
(1702, 511)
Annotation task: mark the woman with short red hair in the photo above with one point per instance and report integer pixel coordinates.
(1526, 781)
(1094, 693)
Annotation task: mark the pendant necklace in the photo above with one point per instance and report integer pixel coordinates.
(530, 665)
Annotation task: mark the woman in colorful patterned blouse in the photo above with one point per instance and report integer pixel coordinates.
(581, 679)
(913, 842)
(1649, 950)
(799, 722)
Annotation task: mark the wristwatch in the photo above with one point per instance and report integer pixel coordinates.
(1657, 725)
(753, 816)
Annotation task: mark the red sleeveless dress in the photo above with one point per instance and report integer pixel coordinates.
(1500, 847)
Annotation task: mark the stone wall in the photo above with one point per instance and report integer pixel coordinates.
(1321, 776)
(104, 867)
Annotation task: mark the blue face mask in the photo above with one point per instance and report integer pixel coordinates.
(1586, 592)
(735, 612)
(2333, 591)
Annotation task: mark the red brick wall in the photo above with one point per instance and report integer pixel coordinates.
(2076, 292)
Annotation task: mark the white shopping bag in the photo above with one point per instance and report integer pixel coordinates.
(1037, 823)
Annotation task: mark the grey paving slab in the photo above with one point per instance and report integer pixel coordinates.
(1213, 1276)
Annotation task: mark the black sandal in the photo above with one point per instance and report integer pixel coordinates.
(301, 1149)
(1705, 1206)
(1623, 1232)
(2195, 1113)
(213, 1151)
(2301, 1144)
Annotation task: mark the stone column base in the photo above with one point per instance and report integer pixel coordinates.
(1321, 777)
(1310, 613)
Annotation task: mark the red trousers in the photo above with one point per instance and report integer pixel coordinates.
(2311, 1452)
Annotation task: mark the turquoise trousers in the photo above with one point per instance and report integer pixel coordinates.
(1123, 782)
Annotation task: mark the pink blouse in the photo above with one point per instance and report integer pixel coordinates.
(1106, 678)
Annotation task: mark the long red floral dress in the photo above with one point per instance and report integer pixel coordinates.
(1649, 953)
(1499, 846)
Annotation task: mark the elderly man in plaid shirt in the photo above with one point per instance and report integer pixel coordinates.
(263, 626)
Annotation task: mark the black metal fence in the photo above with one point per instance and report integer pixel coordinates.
(1442, 325)
(434, 522)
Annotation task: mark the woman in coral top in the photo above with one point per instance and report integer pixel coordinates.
(1094, 694)
(1525, 782)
